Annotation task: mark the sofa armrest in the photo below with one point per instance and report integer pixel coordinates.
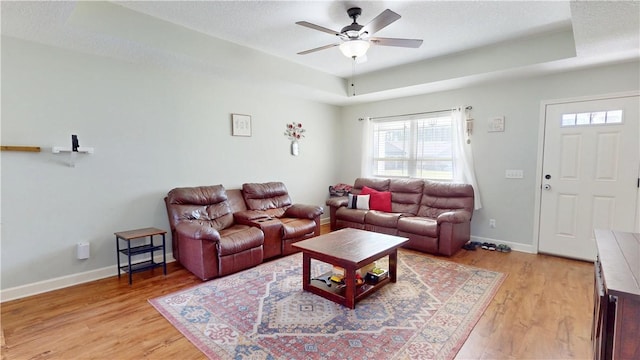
(197, 231)
(338, 201)
(301, 211)
(248, 216)
(454, 217)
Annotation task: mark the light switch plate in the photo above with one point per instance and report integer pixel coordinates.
(496, 124)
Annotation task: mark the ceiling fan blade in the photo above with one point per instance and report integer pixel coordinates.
(408, 43)
(317, 49)
(385, 18)
(318, 27)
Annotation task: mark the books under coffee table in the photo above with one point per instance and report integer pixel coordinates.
(350, 249)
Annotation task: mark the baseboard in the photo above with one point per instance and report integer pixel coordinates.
(325, 221)
(40, 287)
(514, 246)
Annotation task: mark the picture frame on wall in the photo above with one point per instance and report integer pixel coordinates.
(240, 125)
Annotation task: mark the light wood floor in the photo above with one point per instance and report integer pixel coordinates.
(542, 311)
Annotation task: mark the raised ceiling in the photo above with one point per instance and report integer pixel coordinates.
(483, 39)
(445, 27)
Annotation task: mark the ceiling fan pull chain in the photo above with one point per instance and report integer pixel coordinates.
(353, 76)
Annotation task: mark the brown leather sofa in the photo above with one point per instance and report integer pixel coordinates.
(435, 216)
(216, 232)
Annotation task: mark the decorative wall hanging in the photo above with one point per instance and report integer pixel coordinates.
(241, 125)
(294, 132)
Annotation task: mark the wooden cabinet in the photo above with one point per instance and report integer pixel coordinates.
(616, 320)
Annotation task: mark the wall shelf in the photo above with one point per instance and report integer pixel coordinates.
(81, 149)
(72, 154)
(21, 148)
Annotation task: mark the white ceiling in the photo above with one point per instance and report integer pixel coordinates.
(448, 28)
(445, 27)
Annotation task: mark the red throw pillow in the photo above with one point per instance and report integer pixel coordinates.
(379, 200)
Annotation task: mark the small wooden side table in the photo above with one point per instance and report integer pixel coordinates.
(150, 247)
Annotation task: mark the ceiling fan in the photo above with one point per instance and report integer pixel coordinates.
(356, 38)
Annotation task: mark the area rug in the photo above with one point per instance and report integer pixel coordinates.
(263, 313)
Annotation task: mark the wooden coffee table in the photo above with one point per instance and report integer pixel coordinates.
(350, 249)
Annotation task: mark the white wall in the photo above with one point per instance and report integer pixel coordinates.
(511, 202)
(153, 129)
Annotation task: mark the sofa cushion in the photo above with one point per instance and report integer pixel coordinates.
(351, 215)
(337, 201)
(302, 211)
(380, 200)
(196, 229)
(440, 197)
(406, 195)
(418, 225)
(382, 218)
(293, 228)
(265, 196)
(200, 195)
(358, 202)
(236, 200)
(374, 183)
(203, 203)
(239, 238)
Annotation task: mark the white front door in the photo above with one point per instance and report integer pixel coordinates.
(590, 170)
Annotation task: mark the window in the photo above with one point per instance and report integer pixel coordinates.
(592, 118)
(417, 148)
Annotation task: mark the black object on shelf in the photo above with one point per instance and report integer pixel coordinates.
(75, 144)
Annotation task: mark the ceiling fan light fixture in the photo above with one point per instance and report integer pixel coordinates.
(354, 48)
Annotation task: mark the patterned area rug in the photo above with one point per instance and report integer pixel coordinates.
(263, 313)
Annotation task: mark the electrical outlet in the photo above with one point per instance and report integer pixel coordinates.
(83, 250)
(492, 223)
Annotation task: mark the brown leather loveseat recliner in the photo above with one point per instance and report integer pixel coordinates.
(215, 233)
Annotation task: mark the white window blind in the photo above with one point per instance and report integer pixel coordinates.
(416, 147)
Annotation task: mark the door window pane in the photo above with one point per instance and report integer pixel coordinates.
(592, 118)
(568, 120)
(614, 117)
(583, 119)
(598, 117)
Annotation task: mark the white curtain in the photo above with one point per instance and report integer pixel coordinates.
(365, 166)
(463, 169)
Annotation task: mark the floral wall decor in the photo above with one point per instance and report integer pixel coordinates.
(294, 132)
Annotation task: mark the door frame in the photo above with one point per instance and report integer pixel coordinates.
(540, 156)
